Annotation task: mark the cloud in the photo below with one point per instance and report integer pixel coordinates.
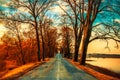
(2, 30)
(117, 20)
(4, 3)
(57, 10)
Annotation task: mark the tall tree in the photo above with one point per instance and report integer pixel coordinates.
(14, 28)
(85, 13)
(77, 10)
(109, 28)
(91, 14)
(32, 14)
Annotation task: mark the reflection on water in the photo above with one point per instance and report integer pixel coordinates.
(112, 64)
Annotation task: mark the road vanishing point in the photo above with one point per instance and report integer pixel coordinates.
(57, 69)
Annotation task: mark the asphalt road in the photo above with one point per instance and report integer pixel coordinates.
(57, 69)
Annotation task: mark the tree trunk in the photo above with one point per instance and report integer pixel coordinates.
(76, 51)
(50, 52)
(43, 44)
(38, 40)
(68, 47)
(92, 9)
(20, 47)
(22, 55)
(85, 42)
(43, 47)
(68, 52)
(77, 45)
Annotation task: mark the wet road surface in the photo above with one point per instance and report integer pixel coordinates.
(57, 69)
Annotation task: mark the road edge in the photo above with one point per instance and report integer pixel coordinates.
(92, 72)
(16, 76)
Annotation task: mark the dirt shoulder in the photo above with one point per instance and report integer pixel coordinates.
(96, 74)
(17, 72)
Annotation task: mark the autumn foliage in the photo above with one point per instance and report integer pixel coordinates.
(10, 50)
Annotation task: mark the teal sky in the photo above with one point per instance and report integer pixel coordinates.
(56, 12)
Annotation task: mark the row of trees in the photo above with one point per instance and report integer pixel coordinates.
(29, 28)
(29, 33)
(91, 20)
(20, 45)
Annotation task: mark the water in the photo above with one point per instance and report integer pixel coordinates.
(112, 64)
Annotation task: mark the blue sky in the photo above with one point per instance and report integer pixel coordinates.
(55, 12)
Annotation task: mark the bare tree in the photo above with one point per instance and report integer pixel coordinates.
(29, 43)
(94, 8)
(67, 40)
(91, 14)
(32, 14)
(75, 20)
(67, 36)
(50, 37)
(85, 12)
(14, 29)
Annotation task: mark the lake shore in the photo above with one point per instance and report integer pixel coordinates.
(91, 71)
(104, 70)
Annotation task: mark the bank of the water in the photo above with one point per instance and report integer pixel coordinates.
(112, 64)
(104, 71)
(98, 75)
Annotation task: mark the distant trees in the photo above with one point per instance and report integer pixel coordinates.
(66, 37)
(51, 41)
(73, 16)
(48, 38)
(66, 34)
